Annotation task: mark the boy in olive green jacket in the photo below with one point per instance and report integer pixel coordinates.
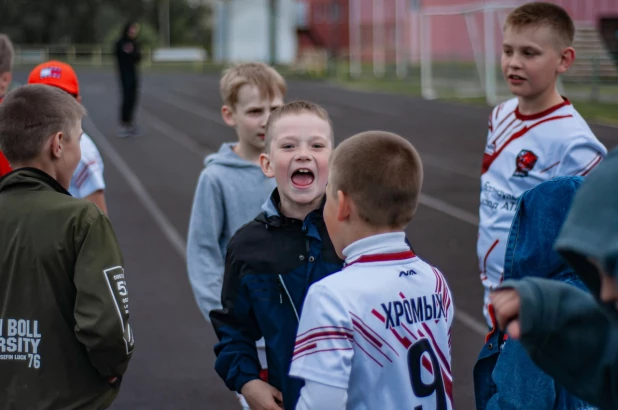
(65, 339)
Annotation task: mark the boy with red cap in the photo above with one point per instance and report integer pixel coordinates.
(87, 181)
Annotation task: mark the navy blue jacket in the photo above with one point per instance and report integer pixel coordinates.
(270, 264)
(504, 375)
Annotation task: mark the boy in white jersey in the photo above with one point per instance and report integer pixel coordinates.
(87, 181)
(534, 137)
(375, 335)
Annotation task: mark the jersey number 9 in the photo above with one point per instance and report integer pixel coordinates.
(420, 389)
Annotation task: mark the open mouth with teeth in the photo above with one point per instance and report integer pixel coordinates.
(302, 177)
(516, 77)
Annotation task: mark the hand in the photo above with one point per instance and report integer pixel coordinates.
(506, 304)
(261, 395)
(127, 48)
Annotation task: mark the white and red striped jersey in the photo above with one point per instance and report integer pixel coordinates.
(380, 328)
(521, 152)
(88, 176)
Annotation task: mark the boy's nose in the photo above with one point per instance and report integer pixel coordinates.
(303, 155)
(514, 62)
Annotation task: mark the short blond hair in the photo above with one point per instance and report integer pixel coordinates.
(295, 108)
(267, 80)
(382, 174)
(30, 114)
(6, 54)
(541, 14)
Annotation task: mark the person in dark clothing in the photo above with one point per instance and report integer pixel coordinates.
(128, 56)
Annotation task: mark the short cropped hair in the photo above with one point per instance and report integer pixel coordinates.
(6, 54)
(295, 108)
(267, 80)
(382, 174)
(30, 114)
(544, 14)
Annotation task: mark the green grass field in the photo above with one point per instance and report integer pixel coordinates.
(601, 112)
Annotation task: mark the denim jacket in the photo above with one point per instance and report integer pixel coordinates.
(504, 375)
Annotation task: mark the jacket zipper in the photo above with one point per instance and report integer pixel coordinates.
(282, 283)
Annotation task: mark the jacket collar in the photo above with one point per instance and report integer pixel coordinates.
(271, 216)
(30, 179)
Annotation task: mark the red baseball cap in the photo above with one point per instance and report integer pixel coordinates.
(56, 74)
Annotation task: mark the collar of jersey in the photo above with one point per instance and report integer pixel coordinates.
(541, 114)
(378, 248)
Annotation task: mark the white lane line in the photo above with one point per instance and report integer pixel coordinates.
(177, 242)
(473, 324)
(446, 208)
(192, 108)
(173, 134)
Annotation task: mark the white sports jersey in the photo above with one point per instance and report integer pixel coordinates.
(380, 328)
(521, 152)
(88, 177)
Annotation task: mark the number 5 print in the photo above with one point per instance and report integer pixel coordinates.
(122, 288)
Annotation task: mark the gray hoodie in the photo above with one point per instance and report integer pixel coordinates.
(566, 331)
(230, 193)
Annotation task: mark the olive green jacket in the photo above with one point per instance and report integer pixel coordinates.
(64, 330)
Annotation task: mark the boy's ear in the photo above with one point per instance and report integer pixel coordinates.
(266, 165)
(228, 115)
(56, 144)
(5, 80)
(344, 206)
(566, 59)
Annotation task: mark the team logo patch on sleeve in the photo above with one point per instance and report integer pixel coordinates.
(526, 160)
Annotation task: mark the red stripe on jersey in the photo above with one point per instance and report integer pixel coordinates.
(378, 315)
(322, 334)
(384, 257)
(304, 349)
(550, 167)
(409, 331)
(323, 327)
(81, 178)
(437, 348)
(371, 341)
(495, 141)
(322, 350)
(541, 114)
(373, 332)
(499, 109)
(367, 335)
(489, 159)
(446, 299)
(427, 364)
(367, 353)
(402, 339)
(505, 118)
(448, 386)
(591, 167)
(319, 339)
(491, 248)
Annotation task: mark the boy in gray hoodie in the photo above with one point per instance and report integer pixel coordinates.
(232, 187)
(568, 333)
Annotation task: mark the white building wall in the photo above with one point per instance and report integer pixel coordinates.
(242, 32)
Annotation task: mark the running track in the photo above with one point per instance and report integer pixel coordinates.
(151, 181)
